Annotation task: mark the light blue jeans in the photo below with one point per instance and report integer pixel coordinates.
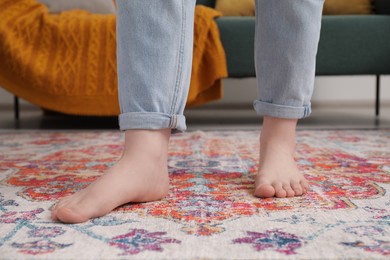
(154, 49)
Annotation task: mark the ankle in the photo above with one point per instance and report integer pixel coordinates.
(147, 143)
(278, 133)
(280, 125)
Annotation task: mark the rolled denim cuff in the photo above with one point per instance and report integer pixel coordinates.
(151, 121)
(281, 111)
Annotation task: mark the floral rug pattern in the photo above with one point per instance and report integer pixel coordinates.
(210, 211)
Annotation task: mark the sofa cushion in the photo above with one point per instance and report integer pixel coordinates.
(237, 36)
(236, 7)
(93, 6)
(337, 7)
(354, 44)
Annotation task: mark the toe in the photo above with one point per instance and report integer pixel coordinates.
(279, 191)
(289, 191)
(264, 191)
(54, 207)
(65, 211)
(69, 216)
(296, 186)
(54, 215)
(305, 186)
(61, 203)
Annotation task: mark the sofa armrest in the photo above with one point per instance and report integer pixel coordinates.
(382, 6)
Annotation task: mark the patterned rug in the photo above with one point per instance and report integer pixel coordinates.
(210, 212)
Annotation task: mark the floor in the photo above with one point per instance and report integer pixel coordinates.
(207, 118)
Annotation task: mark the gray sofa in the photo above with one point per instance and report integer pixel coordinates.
(349, 44)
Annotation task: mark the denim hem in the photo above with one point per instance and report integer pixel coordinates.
(151, 120)
(281, 111)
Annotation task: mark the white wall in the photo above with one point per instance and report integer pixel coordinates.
(349, 90)
(332, 89)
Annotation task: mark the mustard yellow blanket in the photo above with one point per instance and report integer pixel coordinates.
(67, 62)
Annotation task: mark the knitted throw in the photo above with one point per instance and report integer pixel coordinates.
(67, 62)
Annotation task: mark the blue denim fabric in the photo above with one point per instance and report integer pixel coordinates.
(287, 35)
(154, 49)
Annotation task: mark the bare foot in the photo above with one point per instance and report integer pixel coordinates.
(140, 175)
(278, 173)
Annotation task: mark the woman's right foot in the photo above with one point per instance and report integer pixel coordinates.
(278, 174)
(141, 175)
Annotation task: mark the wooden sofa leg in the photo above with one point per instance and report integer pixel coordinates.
(377, 101)
(16, 108)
